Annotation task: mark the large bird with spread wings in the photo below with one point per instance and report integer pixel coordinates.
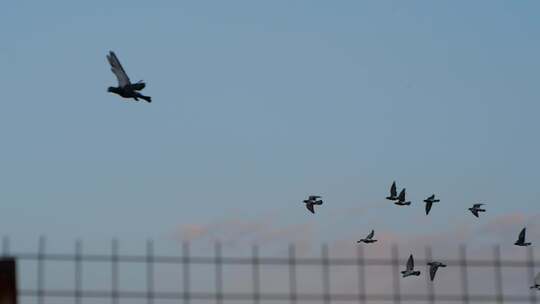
(125, 88)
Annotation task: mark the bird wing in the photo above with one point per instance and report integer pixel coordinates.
(428, 207)
(431, 198)
(475, 212)
(310, 208)
(393, 190)
(477, 205)
(410, 263)
(118, 70)
(521, 237)
(401, 196)
(313, 197)
(370, 235)
(432, 271)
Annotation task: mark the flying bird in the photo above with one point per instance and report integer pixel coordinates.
(536, 282)
(369, 238)
(311, 201)
(401, 201)
(125, 88)
(429, 202)
(393, 192)
(521, 239)
(433, 266)
(476, 208)
(409, 270)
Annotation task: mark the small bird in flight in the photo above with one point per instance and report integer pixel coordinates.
(311, 201)
(536, 282)
(429, 202)
(521, 239)
(476, 208)
(125, 88)
(369, 238)
(433, 266)
(401, 201)
(409, 270)
(393, 192)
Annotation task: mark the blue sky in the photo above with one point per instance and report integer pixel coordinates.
(256, 105)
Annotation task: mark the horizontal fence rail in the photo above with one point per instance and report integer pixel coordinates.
(255, 292)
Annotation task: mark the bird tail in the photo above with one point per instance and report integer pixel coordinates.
(146, 98)
(407, 203)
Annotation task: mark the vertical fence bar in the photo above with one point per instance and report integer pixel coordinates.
(530, 273)
(78, 271)
(429, 284)
(149, 272)
(8, 281)
(292, 274)
(41, 270)
(498, 274)
(255, 274)
(219, 273)
(360, 265)
(464, 274)
(325, 274)
(396, 274)
(186, 293)
(114, 271)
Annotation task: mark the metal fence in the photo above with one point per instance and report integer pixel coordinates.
(255, 292)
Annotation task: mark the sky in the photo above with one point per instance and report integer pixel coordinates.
(257, 105)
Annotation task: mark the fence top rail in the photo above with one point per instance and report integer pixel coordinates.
(249, 260)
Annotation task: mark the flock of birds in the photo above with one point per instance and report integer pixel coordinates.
(127, 89)
(400, 200)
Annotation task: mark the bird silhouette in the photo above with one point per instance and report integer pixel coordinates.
(429, 202)
(393, 192)
(409, 270)
(311, 201)
(369, 238)
(476, 208)
(521, 239)
(401, 201)
(433, 266)
(125, 88)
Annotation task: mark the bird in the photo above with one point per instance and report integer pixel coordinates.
(521, 239)
(369, 238)
(409, 270)
(536, 282)
(401, 199)
(429, 202)
(311, 201)
(476, 208)
(393, 192)
(433, 266)
(125, 88)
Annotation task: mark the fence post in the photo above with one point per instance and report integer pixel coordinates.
(78, 271)
(361, 275)
(498, 274)
(464, 274)
(395, 270)
(8, 281)
(256, 277)
(292, 274)
(219, 273)
(41, 270)
(430, 286)
(186, 293)
(530, 273)
(325, 273)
